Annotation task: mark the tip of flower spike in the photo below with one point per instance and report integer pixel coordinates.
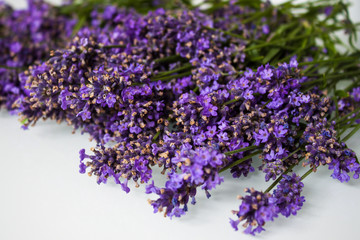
(124, 186)
(82, 169)
(24, 127)
(234, 224)
(234, 212)
(82, 154)
(208, 195)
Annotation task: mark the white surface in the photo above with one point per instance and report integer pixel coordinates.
(43, 197)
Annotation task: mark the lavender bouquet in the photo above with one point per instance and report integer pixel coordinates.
(194, 90)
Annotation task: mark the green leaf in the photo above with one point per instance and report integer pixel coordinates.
(23, 122)
(341, 93)
(270, 55)
(79, 25)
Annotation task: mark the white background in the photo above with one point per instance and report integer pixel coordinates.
(43, 196)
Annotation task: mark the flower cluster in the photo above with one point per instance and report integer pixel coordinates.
(196, 168)
(348, 108)
(257, 208)
(287, 196)
(182, 90)
(101, 83)
(107, 67)
(322, 148)
(27, 36)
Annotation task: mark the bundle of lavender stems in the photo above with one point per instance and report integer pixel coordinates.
(192, 90)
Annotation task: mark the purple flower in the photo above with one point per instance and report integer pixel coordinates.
(262, 136)
(249, 73)
(135, 129)
(82, 166)
(323, 148)
(175, 182)
(255, 210)
(84, 114)
(213, 110)
(176, 212)
(199, 167)
(265, 29)
(151, 188)
(15, 47)
(211, 131)
(199, 139)
(271, 156)
(223, 136)
(234, 224)
(110, 100)
(293, 62)
(266, 74)
(243, 83)
(356, 94)
(248, 94)
(287, 196)
(305, 99)
(65, 99)
(280, 131)
(328, 10)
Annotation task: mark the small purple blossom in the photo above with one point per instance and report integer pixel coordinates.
(262, 136)
(266, 74)
(280, 131)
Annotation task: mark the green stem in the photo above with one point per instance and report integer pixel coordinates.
(169, 59)
(237, 162)
(340, 133)
(232, 101)
(12, 68)
(334, 76)
(291, 154)
(340, 59)
(348, 124)
(347, 137)
(256, 16)
(278, 179)
(156, 135)
(345, 119)
(277, 41)
(336, 102)
(284, 173)
(307, 174)
(225, 32)
(338, 121)
(241, 150)
(341, 75)
(114, 46)
(330, 77)
(166, 78)
(187, 66)
(354, 84)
